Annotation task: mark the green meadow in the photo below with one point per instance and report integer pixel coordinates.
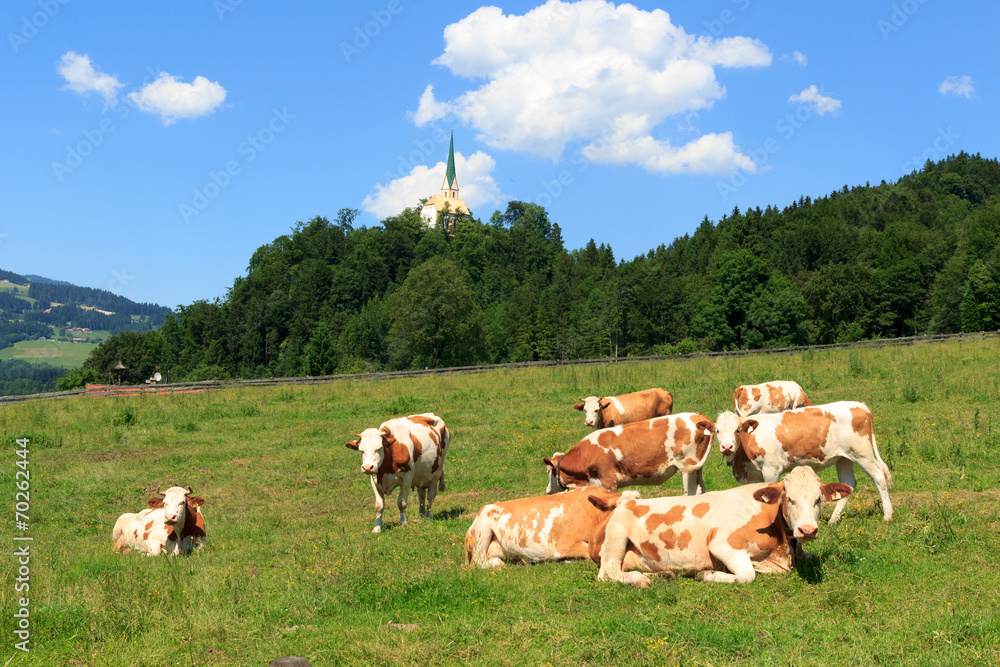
(291, 567)
(54, 353)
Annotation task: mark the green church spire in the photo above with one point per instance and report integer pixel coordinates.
(450, 174)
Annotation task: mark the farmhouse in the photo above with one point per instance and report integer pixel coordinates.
(447, 206)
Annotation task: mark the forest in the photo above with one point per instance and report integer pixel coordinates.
(920, 255)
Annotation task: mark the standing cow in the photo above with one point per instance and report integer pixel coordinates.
(532, 530)
(777, 396)
(172, 525)
(617, 410)
(841, 434)
(646, 452)
(725, 536)
(406, 452)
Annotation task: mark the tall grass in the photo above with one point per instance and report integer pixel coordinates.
(291, 567)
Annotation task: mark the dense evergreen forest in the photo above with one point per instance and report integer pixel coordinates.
(915, 256)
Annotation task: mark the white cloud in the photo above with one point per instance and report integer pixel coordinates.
(821, 104)
(173, 99)
(475, 181)
(795, 57)
(81, 77)
(961, 86)
(564, 72)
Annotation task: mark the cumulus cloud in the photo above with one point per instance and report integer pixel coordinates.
(795, 57)
(960, 86)
(173, 99)
(475, 180)
(820, 103)
(567, 72)
(82, 77)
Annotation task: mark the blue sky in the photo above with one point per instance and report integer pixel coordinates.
(150, 148)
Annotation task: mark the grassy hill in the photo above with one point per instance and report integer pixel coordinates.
(291, 567)
(54, 353)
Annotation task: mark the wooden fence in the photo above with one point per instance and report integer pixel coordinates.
(101, 391)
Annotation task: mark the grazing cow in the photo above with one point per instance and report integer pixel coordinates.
(726, 536)
(532, 530)
(646, 452)
(172, 525)
(406, 452)
(777, 396)
(841, 434)
(617, 410)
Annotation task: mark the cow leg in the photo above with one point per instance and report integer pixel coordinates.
(845, 474)
(422, 495)
(873, 467)
(481, 549)
(432, 490)
(694, 482)
(404, 495)
(736, 561)
(613, 553)
(379, 505)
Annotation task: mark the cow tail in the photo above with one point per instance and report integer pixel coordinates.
(878, 459)
(441, 481)
(805, 401)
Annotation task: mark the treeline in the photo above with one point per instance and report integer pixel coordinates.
(46, 293)
(916, 256)
(73, 316)
(13, 332)
(19, 378)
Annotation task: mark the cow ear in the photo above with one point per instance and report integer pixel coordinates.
(604, 404)
(769, 495)
(386, 433)
(196, 501)
(578, 406)
(749, 425)
(603, 504)
(354, 444)
(836, 491)
(549, 464)
(155, 503)
(707, 426)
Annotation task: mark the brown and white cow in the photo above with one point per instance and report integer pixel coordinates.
(725, 536)
(532, 530)
(647, 452)
(777, 396)
(172, 525)
(406, 452)
(842, 434)
(617, 410)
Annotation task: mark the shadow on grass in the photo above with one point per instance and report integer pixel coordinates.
(451, 513)
(810, 570)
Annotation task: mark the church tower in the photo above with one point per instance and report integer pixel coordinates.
(448, 202)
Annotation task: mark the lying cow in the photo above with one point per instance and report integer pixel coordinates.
(406, 452)
(532, 530)
(726, 536)
(841, 434)
(617, 410)
(647, 452)
(173, 525)
(777, 396)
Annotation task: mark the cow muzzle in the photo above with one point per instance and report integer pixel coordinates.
(368, 470)
(170, 519)
(807, 532)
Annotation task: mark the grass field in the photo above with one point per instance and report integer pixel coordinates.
(291, 567)
(54, 353)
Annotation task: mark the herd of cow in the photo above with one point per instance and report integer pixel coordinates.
(725, 536)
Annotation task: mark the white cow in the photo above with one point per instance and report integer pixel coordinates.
(724, 536)
(406, 452)
(776, 396)
(173, 525)
(764, 447)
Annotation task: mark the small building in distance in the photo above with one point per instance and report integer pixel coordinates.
(447, 206)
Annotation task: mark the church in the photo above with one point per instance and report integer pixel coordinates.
(447, 205)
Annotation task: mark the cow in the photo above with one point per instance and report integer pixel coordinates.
(172, 525)
(646, 452)
(532, 530)
(406, 452)
(777, 396)
(842, 434)
(724, 536)
(617, 410)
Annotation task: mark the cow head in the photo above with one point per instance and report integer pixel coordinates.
(728, 427)
(558, 480)
(591, 408)
(801, 494)
(176, 503)
(372, 444)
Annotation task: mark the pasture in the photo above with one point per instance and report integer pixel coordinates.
(54, 353)
(291, 567)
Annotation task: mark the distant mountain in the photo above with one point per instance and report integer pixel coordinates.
(42, 279)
